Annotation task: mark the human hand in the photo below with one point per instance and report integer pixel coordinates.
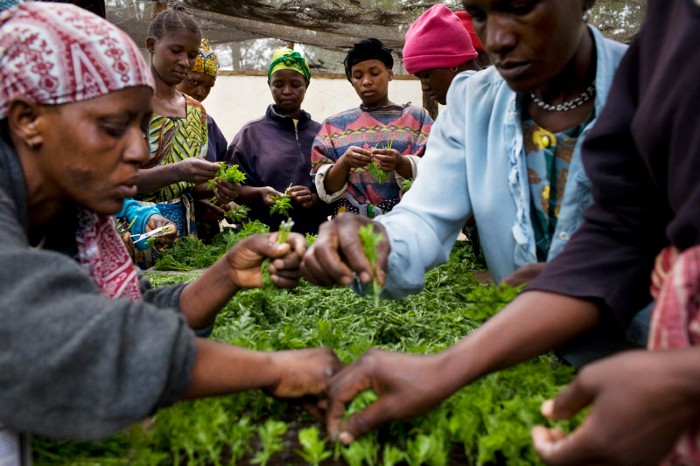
(387, 159)
(356, 157)
(226, 192)
(303, 372)
(337, 253)
(196, 170)
(208, 212)
(247, 256)
(303, 196)
(524, 274)
(640, 404)
(157, 221)
(266, 193)
(407, 385)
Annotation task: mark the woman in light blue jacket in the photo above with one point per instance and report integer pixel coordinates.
(506, 150)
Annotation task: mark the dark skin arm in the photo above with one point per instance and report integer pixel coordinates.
(202, 298)
(252, 194)
(221, 368)
(192, 170)
(409, 385)
(524, 274)
(629, 423)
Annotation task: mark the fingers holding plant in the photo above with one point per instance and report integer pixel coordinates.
(302, 195)
(356, 157)
(388, 160)
(246, 258)
(338, 254)
(406, 386)
(169, 230)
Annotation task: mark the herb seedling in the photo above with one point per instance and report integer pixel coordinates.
(285, 228)
(314, 448)
(406, 185)
(374, 169)
(237, 214)
(282, 235)
(228, 173)
(370, 241)
(282, 203)
(271, 440)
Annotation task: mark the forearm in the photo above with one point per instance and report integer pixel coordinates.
(203, 298)
(534, 323)
(337, 177)
(153, 179)
(220, 369)
(404, 168)
(249, 195)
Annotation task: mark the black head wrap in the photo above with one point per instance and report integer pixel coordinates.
(367, 49)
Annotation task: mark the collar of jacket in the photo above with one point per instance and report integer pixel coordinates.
(272, 114)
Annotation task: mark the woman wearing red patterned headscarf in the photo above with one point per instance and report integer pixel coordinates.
(86, 347)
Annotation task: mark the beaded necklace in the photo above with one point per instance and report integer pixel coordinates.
(584, 97)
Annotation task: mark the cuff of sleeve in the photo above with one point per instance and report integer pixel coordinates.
(321, 189)
(413, 160)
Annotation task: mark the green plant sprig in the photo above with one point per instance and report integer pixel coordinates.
(374, 169)
(370, 241)
(285, 229)
(238, 213)
(406, 185)
(229, 173)
(282, 204)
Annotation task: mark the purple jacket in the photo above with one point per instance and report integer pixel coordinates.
(271, 151)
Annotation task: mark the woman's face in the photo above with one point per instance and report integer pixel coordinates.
(91, 150)
(197, 85)
(173, 55)
(528, 41)
(436, 81)
(370, 78)
(288, 89)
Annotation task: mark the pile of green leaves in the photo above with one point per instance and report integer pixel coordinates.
(485, 423)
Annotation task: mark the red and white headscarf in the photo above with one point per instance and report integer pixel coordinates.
(57, 53)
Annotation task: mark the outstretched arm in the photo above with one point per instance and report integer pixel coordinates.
(409, 385)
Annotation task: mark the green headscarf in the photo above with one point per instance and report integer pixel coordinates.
(288, 59)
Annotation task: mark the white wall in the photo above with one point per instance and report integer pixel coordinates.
(237, 99)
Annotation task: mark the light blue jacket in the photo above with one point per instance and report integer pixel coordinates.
(474, 164)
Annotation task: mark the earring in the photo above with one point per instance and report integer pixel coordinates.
(30, 144)
(454, 69)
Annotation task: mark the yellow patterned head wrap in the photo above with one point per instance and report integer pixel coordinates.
(207, 61)
(288, 59)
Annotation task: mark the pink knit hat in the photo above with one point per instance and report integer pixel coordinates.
(469, 24)
(437, 39)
